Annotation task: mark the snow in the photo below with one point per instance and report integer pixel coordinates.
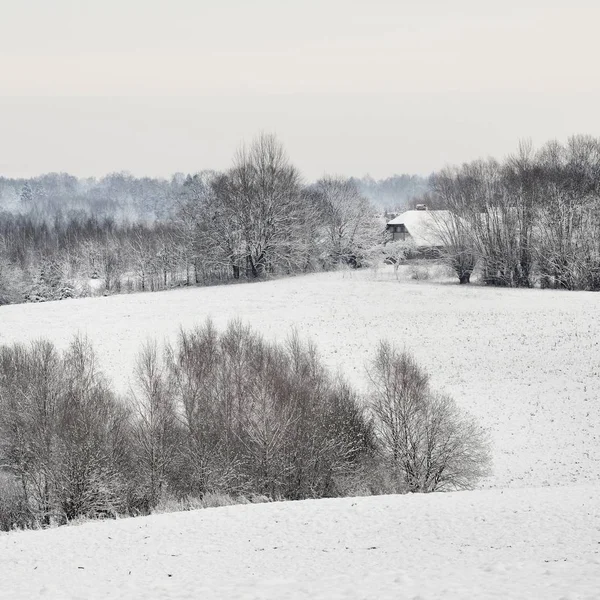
(535, 543)
(424, 226)
(525, 363)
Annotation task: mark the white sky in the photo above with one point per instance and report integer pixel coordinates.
(351, 87)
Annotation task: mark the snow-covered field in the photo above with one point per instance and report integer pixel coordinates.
(536, 543)
(526, 363)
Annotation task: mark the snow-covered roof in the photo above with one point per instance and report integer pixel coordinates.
(423, 225)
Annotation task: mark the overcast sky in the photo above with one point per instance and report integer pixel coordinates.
(350, 87)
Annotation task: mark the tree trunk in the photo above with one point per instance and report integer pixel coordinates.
(253, 268)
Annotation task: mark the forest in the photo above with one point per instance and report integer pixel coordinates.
(530, 219)
(63, 237)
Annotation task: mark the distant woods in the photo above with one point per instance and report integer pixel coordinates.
(62, 237)
(532, 219)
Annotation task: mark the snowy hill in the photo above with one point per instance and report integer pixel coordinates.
(526, 363)
(536, 543)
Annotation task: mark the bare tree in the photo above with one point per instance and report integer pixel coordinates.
(142, 252)
(397, 251)
(192, 214)
(64, 435)
(261, 194)
(201, 384)
(261, 418)
(94, 439)
(156, 427)
(535, 216)
(568, 247)
(521, 175)
(426, 438)
(452, 226)
(488, 220)
(221, 236)
(347, 217)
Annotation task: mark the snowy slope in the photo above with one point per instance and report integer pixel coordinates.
(536, 543)
(525, 362)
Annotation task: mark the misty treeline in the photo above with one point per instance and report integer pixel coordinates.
(123, 197)
(396, 193)
(218, 413)
(118, 196)
(533, 219)
(257, 219)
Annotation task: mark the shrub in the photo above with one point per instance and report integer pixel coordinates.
(219, 418)
(420, 271)
(397, 252)
(14, 511)
(261, 418)
(423, 435)
(62, 432)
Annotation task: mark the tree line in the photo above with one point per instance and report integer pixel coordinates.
(120, 196)
(256, 219)
(532, 219)
(218, 413)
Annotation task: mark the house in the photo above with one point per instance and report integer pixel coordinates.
(421, 226)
